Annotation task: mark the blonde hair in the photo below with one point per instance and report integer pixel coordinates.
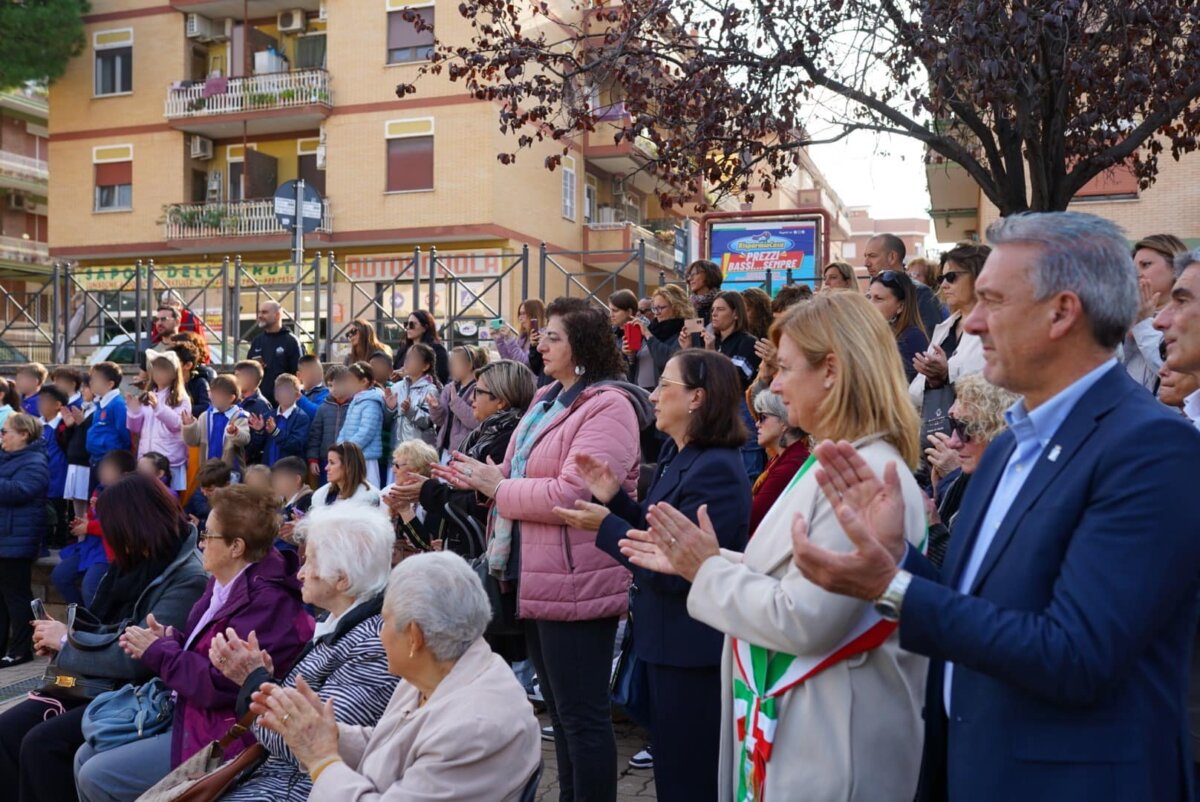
(985, 403)
(25, 425)
(677, 299)
(869, 395)
(418, 454)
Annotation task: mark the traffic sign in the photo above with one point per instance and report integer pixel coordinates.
(311, 207)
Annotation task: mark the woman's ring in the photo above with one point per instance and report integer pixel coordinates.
(673, 542)
(286, 716)
(467, 472)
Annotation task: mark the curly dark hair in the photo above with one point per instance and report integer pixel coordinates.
(590, 335)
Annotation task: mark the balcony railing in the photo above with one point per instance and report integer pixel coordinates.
(249, 218)
(24, 251)
(627, 235)
(276, 90)
(23, 167)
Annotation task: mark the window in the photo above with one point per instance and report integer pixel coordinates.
(589, 200)
(114, 186)
(113, 67)
(568, 188)
(405, 42)
(409, 154)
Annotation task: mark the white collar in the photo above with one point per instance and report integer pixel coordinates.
(107, 398)
(53, 422)
(1191, 408)
(330, 623)
(287, 413)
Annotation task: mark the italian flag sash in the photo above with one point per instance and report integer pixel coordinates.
(762, 677)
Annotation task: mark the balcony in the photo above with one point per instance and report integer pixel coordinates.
(617, 240)
(625, 159)
(818, 197)
(249, 218)
(23, 173)
(24, 251)
(269, 103)
(217, 9)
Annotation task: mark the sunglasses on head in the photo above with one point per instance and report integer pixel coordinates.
(891, 278)
(960, 428)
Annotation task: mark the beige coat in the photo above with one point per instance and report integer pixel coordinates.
(852, 733)
(476, 738)
(196, 434)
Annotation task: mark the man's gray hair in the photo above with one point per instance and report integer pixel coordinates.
(440, 593)
(1185, 260)
(1081, 254)
(350, 540)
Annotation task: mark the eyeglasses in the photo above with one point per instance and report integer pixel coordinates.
(961, 428)
(658, 309)
(665, 381)
(352, 333)
(645, 310)
(488, 393)
(952, 276)
(212, 536)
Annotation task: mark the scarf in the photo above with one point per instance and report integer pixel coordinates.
(117, 597)
(666, 331)
(703, 302)
(761, 677)
(539, 418)
(480, 441)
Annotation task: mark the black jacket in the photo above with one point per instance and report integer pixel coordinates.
(279, 353)
(739, 347)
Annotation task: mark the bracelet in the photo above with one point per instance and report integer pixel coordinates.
(315, 774)
(496, 489)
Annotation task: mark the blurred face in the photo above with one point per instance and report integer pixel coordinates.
(310, 375)
(770, 430)
(108, 473)
(286, 395)
(1174, 387)
(269, 316)
(247, 381)
(802, 386)
(221, 399)
(333, 469)
(10, 440)
(917, 274)
(28, 385)
(414, 329)
(723, 317)
(486, 402)
(661, 308)
(556, 351)
(673, 402)
(285, 484)
(958, 287)
(644, 309)
(163, 375)
(146, 467)
(414, 366)
(833, 278)
(619, 317)
(884, 300)
(65, 387)
(345, 387)
(1179, 321)
(98, 382)
(522, 319)
(1156, 270)
(317, 590)
(971, 449)
(220, 558)
(48, 407)
(381, 369)
(460, 367)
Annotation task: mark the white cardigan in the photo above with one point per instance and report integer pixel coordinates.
(967, 358)
(366, 494)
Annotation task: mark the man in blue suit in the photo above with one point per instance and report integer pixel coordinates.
(1061, 624)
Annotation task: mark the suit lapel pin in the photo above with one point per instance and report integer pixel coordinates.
(1054, 452)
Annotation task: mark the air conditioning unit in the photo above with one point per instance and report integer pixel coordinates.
(294, 21)
(322, 14)
(18, 202)
(222, 30)
(202, 148)
(199, 28)
(320, 157)
(618, 188)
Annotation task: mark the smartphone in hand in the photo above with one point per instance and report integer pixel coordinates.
(633, 337)
(39, 610)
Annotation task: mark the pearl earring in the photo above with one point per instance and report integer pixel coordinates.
(828, 384)
(580, 370)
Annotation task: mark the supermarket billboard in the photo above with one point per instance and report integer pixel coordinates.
(746, 249)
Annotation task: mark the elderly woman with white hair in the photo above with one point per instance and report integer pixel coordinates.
(786, 445)
(349, 549)
(457, 727)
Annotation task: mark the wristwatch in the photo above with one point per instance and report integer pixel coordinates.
(888, 605)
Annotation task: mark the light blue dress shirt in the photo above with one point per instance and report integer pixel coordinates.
(1033, 432)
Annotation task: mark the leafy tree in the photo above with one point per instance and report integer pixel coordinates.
(40, 37)
(1033, 98)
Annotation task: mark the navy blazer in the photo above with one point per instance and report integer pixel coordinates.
(1071, 650)
(664, 633)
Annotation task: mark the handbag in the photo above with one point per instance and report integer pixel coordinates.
(628, 686)
(206, 775)
(504, 605)
(84, 633)
(128, 714)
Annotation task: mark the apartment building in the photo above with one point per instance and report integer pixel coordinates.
(912, 231)
(24, 177)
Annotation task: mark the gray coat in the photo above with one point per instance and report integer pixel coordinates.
(326, 423)
(170, 596)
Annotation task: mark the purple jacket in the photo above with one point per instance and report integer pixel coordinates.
(265, 600)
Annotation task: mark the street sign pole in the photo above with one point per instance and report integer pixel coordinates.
(298, 228)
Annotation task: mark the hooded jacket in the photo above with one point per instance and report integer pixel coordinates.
(264, 599)
(364, 423)
(325, 427)
(24, 480)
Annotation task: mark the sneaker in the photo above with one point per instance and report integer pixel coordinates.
(643, 759)
(548, 734)
(9, 661)
(534, 694)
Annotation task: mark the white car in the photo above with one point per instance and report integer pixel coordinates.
(122, 350)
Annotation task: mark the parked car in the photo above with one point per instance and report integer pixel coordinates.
(122, 350)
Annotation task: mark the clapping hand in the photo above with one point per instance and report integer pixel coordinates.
(79, 528)
(136, 640)
(297, 714)
(465, 473)
(673, 544)
(389, 397)
(186, 417)
(237, 659)
(765, 350)
(256, 422)
(77, 415)
(586, 516)
(433, 400)
(1149, 300)
(933, 365)
(151, 399)
(600, 479)
(270, 425)
(405, 405)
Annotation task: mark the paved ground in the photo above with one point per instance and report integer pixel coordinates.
(632, 786)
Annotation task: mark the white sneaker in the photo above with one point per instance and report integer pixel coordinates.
(643, 759)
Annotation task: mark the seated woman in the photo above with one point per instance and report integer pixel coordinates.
(418, 527)
(458, 726)
(346, 471)
(253, 588)
(155, 571)
(345, 572)
(787, 447)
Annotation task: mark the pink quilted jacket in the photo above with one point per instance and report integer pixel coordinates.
(564, 577)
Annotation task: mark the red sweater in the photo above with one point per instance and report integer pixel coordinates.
(774, 479)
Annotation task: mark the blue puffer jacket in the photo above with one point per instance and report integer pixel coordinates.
(364, 423)
(24, 479)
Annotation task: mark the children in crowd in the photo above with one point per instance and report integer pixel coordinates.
(289, 481)
(70, 382)
(453, 412)
(156, 466)
(10, 399)
(108, 430)
(83, 563)
(51, 403)
(381, 369)
(155, 415)
(29, 378)
(312, 377)
(223, 431)
(213, 475)
(257, 476)
(287, 429)
(364, 418)
(78, 420)
(327, 421)
(410, 399)
(195, 376)
(249, 376)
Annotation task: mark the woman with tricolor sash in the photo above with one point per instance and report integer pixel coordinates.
(820, 703)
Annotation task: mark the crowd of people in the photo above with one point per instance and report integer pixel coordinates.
(915, 538)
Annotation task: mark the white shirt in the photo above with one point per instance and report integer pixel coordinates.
(330, 623)
(1191, 408)
(107, 398)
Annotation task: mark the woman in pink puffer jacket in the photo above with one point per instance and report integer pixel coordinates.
(571, 594)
